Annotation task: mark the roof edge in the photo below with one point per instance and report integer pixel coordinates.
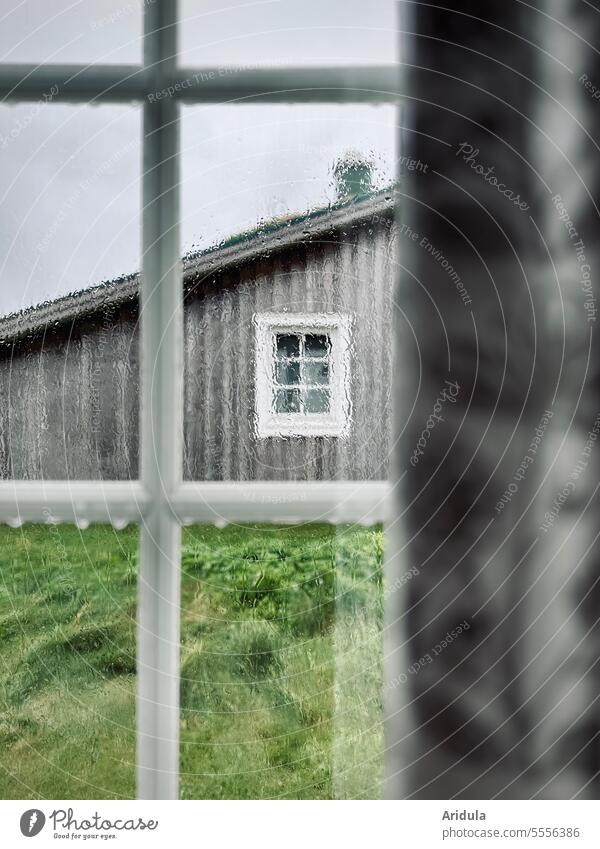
(198, 266)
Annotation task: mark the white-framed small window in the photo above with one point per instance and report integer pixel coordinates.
(302, 374)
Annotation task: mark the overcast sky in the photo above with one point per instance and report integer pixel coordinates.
(69, 175)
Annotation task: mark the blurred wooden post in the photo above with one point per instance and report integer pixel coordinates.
(492, 334)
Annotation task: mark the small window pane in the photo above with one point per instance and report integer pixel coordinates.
(316, 345)
(316, 373)
(316, 401)
(287, 373)
(287, 401)
(288, 345)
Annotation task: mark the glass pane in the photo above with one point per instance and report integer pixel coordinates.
(107, 31)
(316, 400)
(69, 239)
(281, 674)
(287, 345)
(315, 373)
(249, 35)
(287, 401)
(271, 229)
(67, 676)
(286, 373)
(358, 742)
(316, 345)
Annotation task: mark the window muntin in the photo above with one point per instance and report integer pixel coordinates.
(250, 35)
(302, 375)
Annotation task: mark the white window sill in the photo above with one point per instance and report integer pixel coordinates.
(301, 425)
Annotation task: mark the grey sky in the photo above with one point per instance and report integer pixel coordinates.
(69, 175)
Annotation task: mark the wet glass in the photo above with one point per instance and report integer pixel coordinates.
(287, 345)
(238, 36)
(279, 234)
(278, 622)
(67, 662)
(315, 401)
(63, 31)
(316, 345)
(70, 247)
(281, 674)
(287, 373)
(288, 401)
(288, 291)
(317, 373)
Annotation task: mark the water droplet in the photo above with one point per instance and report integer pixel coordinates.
(119, 524)
(82, 524)
(14, 522)
(220, 522)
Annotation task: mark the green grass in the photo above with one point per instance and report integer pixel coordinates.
(280, 662)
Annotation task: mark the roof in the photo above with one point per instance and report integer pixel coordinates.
(274, 236)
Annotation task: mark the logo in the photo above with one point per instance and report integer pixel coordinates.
(32, 822)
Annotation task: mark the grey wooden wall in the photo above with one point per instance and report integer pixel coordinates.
(69, 395)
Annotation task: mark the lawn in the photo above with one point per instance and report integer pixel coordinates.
(280, 662)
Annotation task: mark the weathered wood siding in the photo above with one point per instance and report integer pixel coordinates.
(68, 401)
(69, 398)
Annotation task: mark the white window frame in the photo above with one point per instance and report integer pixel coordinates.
(336, 422)
(160, 502)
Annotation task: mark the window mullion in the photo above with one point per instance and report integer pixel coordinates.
(161, 315)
